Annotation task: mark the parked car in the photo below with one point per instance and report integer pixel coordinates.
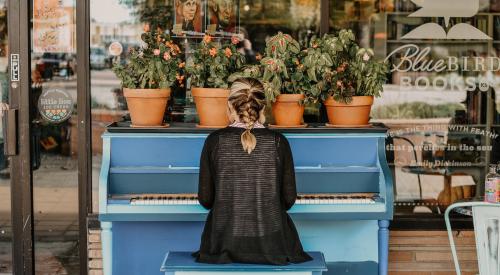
(56, 64)
(98, 58)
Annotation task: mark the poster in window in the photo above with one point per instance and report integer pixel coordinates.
(222, 17)
(189, 18)
(53, 26)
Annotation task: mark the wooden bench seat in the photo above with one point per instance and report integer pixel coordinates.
(182, 263)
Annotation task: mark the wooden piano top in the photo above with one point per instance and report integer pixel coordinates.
(178, 127)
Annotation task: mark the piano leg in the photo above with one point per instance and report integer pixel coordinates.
(383, 246)
(107, 247)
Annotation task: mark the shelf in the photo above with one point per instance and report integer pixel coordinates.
(410, 12)
(392, 41)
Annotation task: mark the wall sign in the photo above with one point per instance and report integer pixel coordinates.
(53, 26)
(55, 105)
(14, 67)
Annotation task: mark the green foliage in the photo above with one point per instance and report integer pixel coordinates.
(281, 70)
(212, 64)
(336, 66)
(156, 65)
(416, 110)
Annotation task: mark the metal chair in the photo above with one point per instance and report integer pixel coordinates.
(486, 217)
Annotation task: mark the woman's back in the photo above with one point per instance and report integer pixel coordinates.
(247, 181)
(249, 195)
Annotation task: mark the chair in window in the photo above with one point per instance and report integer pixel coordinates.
(486, 217)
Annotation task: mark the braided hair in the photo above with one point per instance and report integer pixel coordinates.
(248, 100)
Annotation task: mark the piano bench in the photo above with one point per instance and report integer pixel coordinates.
(182, 263)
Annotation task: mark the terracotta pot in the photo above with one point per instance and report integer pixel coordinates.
(147, 106)
(287, 110)
(211, 105)
(357, 113)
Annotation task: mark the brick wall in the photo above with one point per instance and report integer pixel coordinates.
(95, 252)
(410, 253)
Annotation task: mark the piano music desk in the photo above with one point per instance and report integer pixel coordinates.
(352, 233)
(182, 263)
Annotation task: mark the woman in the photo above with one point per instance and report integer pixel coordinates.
(188, 14)
(247, 181)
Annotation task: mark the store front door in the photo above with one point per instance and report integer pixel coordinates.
(41, 140)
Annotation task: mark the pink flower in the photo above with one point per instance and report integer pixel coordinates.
(235, 40)
(339, 84)
(366, 57)
(167, 56)
(146, 28)
(156, 52)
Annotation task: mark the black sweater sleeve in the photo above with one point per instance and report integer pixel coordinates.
(206, 186)
(288, 188)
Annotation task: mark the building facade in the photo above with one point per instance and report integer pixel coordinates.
(441, 104)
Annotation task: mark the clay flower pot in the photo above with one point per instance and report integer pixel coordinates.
(211, 105)
(288, 111)
(147, 106)
(354, 114)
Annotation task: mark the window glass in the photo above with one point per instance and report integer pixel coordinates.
(441, 100)
(258, 21)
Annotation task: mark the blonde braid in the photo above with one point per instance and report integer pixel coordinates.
(247, 98)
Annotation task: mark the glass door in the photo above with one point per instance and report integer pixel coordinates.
(5, 201)
(40, 138)
(54, 134)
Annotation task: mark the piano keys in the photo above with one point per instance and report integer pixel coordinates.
(149, 181)
(192, 199)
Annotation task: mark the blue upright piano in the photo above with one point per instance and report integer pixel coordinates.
(149, 180)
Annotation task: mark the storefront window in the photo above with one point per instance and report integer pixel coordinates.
(123, 28)
(443, 115)
(444, 121)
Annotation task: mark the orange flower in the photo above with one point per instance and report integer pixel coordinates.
(182, 65)
(315, 45)
(207, 39)
(228, 52)
(147, 28)
(213, 52)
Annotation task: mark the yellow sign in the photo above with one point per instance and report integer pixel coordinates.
(53, 26)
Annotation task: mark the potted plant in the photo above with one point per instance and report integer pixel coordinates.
(209, 70)
(348, 77)
(147, 76)
(284, 80)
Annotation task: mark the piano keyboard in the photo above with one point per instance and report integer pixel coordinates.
(189, 199)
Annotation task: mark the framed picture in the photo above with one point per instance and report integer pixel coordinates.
(223, 17)
(189, 18)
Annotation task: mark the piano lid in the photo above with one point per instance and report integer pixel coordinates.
(178, 127)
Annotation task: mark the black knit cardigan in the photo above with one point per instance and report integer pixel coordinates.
(248, 196)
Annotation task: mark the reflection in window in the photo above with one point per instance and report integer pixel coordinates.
(444, 126)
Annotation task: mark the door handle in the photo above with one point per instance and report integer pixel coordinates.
(9, 117)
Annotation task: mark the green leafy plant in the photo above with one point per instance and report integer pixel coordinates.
(212, 64)
(338, 67)
(157, 64)
(281, 70)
